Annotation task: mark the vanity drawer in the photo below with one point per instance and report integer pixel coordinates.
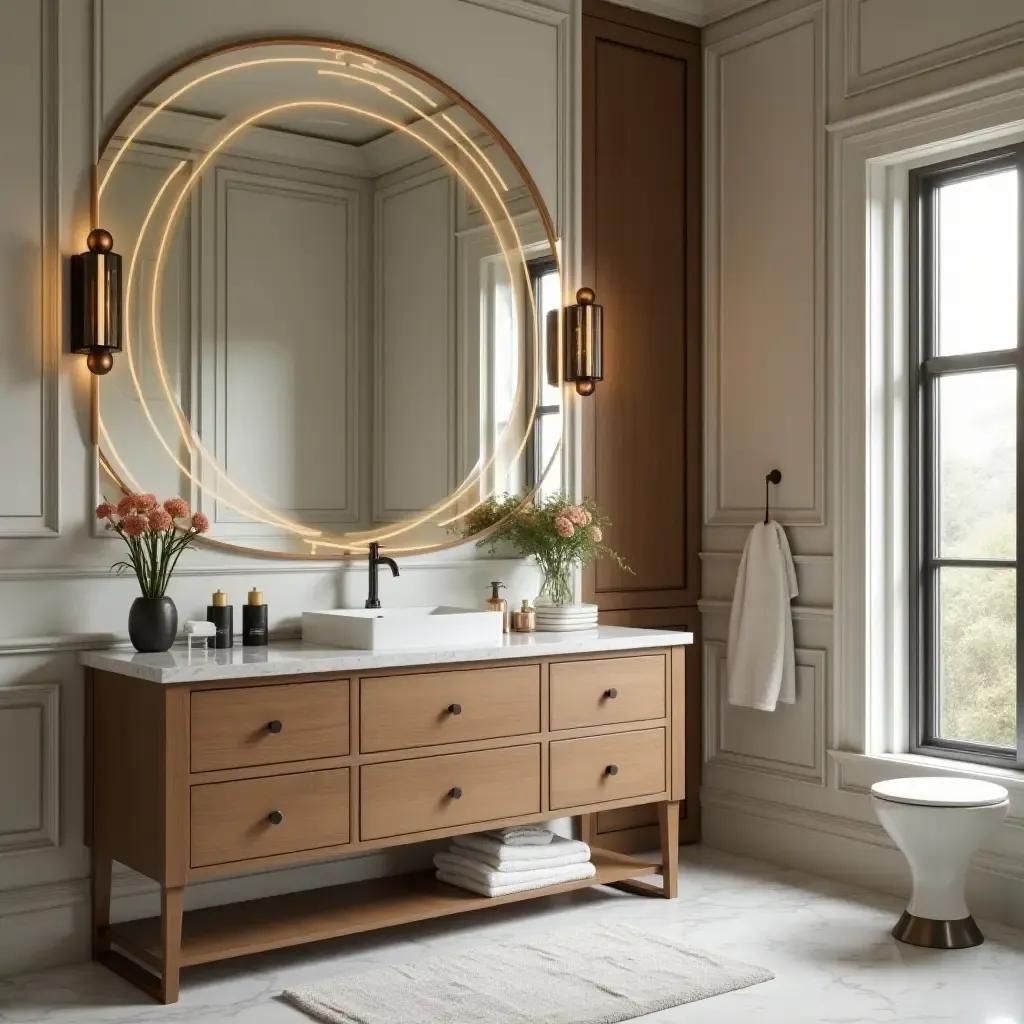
(581, 775)
(607, 691)
(232, 821)
(402, 797)
(268, 724)
(423, 709)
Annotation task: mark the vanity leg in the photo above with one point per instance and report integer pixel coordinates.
(171, 908)
(102, 867)
(668, 828)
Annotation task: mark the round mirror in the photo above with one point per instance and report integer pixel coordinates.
(335, 274)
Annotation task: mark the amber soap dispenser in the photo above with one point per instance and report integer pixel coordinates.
(254, 620)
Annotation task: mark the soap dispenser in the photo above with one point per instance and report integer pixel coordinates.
(221, 614)
(498, 604)
(254, 620)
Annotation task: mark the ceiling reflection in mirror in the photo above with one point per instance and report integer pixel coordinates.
(335, 276)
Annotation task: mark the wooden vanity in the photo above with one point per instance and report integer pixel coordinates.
(221, 764)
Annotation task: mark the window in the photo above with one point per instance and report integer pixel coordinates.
(547, 427)
(965, 443)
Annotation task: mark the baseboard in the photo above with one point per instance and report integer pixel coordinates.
(847, 849)
(48, 925)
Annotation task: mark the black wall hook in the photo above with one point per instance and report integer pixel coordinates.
(774, 477)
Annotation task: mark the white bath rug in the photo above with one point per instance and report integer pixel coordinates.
(597, 975)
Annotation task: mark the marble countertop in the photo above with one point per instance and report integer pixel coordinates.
(292, 657)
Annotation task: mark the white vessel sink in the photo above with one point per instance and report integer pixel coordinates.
(379, 629)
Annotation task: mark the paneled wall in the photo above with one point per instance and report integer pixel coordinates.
(67, 70)
(782, 78)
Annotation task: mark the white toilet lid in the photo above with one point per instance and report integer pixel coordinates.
(940, 791)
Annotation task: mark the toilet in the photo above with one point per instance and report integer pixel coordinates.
(939, 823)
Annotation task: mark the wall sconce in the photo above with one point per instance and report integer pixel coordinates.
(582, 343)
(96, 302)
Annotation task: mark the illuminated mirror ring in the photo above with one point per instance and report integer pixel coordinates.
(362, 66)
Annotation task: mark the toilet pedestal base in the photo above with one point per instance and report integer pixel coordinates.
(923, 931)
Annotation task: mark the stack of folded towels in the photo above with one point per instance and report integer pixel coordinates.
(513, 860)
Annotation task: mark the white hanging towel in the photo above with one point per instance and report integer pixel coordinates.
(761, 663)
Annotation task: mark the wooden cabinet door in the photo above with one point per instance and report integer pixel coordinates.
(642, 428)
(641, 254)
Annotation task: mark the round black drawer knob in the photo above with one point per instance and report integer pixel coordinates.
(612, 769)
(275, 817)
(454, 709)
(455, 792)
(612, 693)
(274, 726)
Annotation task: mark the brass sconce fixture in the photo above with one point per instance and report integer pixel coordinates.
(582, 343)
(96, 302)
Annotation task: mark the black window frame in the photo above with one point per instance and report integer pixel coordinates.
(538, 268)
(926, 368)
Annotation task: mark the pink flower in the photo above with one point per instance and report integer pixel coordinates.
(104, 510)
(126, 505)
(144, 502)
(134, 525)
(177, 507)
(200, 522)
(160, 519)
(595, 534)
(564, 527)
(576, 515)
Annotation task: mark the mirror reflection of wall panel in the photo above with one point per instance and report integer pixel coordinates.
(415, 345)
(286, 289)
(641, 254)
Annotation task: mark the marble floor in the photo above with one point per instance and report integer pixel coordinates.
(827, 943)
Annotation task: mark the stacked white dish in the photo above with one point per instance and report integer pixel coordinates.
(565, 618)
(513, 860)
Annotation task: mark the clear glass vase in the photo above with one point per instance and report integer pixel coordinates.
(556, 586)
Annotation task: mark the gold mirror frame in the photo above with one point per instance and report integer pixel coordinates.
(339, 552)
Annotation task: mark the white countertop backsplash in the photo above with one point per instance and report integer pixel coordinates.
(293, 657)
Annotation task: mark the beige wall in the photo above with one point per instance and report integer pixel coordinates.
(67, 67)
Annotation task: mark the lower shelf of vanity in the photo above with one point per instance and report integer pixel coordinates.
(237, 929)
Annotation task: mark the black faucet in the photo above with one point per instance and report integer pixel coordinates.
(376, 560)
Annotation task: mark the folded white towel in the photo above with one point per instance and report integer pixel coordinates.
(761, 665)
(455, 863)
(577, 872)
(500, 855)
(522, 835)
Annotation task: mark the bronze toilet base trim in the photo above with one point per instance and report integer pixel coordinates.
(922, 931)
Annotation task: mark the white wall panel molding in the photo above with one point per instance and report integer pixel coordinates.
(340, 340)
(415, 321)
(30, 753)
(247, 568)
(788, 743)
(816, 613)
(883, 53)
(887, 43)
(735, 556)
(765, 278)
(30, 506)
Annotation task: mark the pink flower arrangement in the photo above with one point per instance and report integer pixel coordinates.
(557, 533)
(178, 508)
(564, 527)
(155, 536)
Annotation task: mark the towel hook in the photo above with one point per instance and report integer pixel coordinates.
(774, 477)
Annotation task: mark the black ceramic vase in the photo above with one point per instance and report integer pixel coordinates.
(152, 624)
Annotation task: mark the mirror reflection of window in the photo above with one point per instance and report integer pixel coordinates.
(547, 428)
